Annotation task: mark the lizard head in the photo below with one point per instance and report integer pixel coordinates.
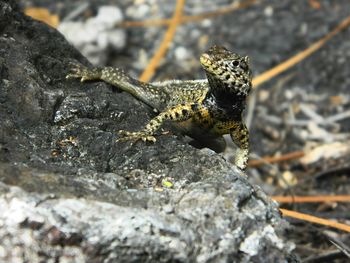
(227, 70)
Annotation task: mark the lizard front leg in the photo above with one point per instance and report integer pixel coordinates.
(114, 76)
(83, 73)
(240, 136)
(177, 113)
(148, 93)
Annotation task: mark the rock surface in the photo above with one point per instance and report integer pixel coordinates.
(70, 193)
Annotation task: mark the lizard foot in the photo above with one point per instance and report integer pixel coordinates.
(241, 159)
(135, 136)
(78, 71)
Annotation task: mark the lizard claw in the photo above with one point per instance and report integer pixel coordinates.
(241, 159)
(135, 136)
(78, 71)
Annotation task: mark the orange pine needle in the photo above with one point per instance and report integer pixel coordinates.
(44, 15)
(276, 159)
(315, 4)
(312, 199)
(187, 19)
(267, 75)
(314, 219)
(148, 73)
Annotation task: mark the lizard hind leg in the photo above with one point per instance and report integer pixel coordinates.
(177, 113)
(146, 134)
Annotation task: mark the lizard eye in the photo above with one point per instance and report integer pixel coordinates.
(235, 63)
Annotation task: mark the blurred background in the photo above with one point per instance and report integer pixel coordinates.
(299, 119)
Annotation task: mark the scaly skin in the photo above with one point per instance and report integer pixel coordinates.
(203, 109)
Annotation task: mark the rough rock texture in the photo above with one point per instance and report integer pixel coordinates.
(70, 193)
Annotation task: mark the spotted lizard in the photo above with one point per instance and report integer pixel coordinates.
(203, 109)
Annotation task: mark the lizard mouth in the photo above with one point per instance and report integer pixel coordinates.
(205, 59)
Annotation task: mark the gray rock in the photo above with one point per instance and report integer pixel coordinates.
(70, 193)
(97, 35)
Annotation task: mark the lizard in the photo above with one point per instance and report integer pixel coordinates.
(204, 109)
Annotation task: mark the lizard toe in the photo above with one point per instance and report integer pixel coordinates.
(135, 136)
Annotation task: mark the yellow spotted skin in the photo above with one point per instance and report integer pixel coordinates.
(203, 109)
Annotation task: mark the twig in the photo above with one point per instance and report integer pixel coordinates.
(341, 247)
(77, 11)
(312, 199)
(267, 75)
(314, 219)
(311, 113)
(315, 4)
(338, 243)
(276, 172)
(148, 73)
(334, 214)
(318, 119)
(276, 159)
(338, 117)
(44, 15)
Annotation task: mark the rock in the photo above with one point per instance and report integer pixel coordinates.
(70, 193)
(181, 53)
(95, 36)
